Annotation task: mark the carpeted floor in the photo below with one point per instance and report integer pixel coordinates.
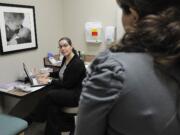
(35, 129)
(38, 129)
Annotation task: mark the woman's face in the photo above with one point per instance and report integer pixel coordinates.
(65, 48)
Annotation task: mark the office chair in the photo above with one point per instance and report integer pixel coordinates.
(71, 112)
(10, 125)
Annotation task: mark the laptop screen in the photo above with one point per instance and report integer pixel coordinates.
(33, 81)
(27, 73)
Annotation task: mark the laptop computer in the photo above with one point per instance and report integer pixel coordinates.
(33, 80)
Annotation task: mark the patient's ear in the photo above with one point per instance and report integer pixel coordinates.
(135, 15)
(130, 19)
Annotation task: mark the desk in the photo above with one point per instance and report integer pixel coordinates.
(86, 58)
(17, 92)
(48, 64)
(23, 102)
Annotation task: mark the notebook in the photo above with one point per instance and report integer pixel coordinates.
(33, 80)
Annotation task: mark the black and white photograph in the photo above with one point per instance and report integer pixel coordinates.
(17, 28)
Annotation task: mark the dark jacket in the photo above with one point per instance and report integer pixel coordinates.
(73, 75)
(126, 94)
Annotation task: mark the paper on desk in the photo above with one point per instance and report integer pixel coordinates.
(32, 89)
(7, 86)
(18, 85)
(27, 88)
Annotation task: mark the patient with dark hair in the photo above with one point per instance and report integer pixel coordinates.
(133, 87)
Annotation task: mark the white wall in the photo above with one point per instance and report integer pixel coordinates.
(57, 18)
(49, 30)
(54, 19)
(78, 12)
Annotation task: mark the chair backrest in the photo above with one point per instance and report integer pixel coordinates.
(70, 110)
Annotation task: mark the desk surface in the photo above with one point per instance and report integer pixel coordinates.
(20, 93)
(17, 93)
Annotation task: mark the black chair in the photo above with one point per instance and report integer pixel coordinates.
(70, 112)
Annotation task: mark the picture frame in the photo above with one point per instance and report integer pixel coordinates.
(17, 28)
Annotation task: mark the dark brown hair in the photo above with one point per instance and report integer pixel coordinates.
(157, 32)
(67, 39)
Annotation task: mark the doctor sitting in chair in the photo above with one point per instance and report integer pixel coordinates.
(64, 91)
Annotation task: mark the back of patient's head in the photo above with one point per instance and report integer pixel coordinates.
(145, 7)
(157, 30)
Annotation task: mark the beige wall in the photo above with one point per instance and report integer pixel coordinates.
(49, 29)
(78, 12)
(56, 18)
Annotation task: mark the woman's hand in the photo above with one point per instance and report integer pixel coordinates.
(43, 78)
(45, 75)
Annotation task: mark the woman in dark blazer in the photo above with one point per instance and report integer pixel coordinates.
(64, 90)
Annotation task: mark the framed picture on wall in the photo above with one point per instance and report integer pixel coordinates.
(17, 28)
